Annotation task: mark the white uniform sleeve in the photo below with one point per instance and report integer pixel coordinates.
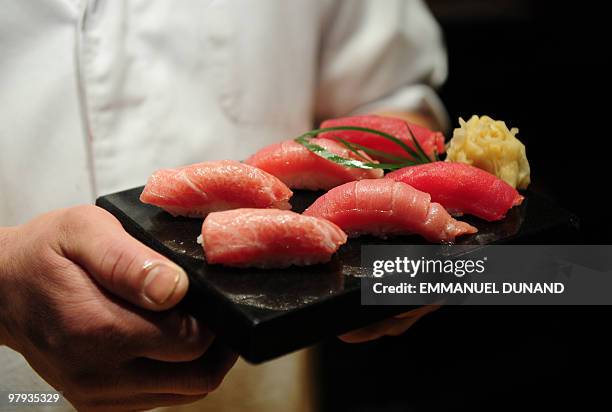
(43, 146)
(381, 55)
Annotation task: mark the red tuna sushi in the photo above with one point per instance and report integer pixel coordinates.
(201, 188)
(299, 168)
(399, 128)
(267, 238)
(384, 207)
(461, 188)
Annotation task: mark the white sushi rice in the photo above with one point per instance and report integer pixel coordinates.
(200, 240)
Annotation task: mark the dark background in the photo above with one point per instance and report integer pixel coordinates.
(542, 67)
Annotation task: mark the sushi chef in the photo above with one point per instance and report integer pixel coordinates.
(95, 95)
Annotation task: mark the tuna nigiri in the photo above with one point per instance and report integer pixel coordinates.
(461, 188)
(299, 168)
(384, 207)
(268, 238)
(399, 128)
(201, 188)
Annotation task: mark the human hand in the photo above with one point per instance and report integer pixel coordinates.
(88, 306)
(393, 326)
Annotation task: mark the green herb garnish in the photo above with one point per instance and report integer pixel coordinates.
(418, 154)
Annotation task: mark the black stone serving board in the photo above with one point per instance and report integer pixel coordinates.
(264, 314)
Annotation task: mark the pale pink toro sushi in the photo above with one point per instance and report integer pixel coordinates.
(299, 168)
(201, 188)
(383, 207)
(268, 238)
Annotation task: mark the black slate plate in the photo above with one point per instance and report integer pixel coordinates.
(264, 314)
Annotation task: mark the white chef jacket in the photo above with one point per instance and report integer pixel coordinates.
(95, 95)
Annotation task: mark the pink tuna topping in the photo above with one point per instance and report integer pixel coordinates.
(428, 140)
(299, 168)
(461, 188)
(268, 238)
(384, 207)
(201, 188)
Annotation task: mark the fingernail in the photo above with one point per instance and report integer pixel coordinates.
(161, 281)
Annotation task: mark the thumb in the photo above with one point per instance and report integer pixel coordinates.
(95, 240)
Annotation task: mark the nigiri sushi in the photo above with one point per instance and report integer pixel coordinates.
(430, 141)
(201, 188)
(461, 188)
(267, 238)
(299, 168)
(383, 207)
